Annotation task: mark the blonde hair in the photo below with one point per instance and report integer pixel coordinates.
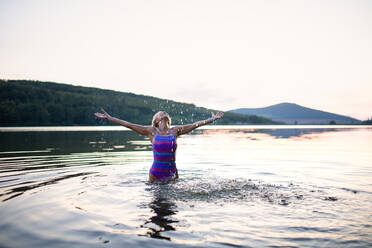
(155, 118)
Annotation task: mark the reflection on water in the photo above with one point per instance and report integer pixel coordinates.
(18, 190)
(39, 143)
(281, 133)
(238, 187)
(161, 220)
(65, 142)
(289, 133)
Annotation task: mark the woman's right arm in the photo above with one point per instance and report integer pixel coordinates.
(143, 130)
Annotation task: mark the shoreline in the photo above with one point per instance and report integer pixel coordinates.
(120, 128)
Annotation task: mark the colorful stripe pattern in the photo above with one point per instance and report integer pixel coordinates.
(164, 165)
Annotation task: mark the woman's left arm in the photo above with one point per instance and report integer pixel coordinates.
(179, 130)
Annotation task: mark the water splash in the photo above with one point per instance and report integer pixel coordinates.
(220, 190)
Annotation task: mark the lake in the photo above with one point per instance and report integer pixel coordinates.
(239, 186)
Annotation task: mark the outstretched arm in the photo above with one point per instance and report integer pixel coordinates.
(143, 130)
(179, 130)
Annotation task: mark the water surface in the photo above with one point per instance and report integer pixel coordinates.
(240, 186)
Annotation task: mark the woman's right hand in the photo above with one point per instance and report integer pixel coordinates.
(104, 115)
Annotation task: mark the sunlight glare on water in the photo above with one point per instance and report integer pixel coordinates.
(245, 187)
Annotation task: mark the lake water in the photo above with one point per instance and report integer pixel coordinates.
(239, 186)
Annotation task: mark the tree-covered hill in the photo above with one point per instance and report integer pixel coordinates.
(291, 113)
(367, 122)
(35, 103)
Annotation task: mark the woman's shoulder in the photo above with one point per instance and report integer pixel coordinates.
(174, 130)
(152, 132)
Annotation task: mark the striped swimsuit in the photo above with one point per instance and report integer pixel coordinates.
(164, 165)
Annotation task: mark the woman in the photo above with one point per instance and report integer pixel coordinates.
(164, 140)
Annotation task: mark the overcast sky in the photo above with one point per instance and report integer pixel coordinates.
(220, 54)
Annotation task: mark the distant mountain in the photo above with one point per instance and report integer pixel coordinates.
(34, 103)
(291, 113)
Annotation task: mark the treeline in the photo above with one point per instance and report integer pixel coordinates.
(35, 103)
(367, 122)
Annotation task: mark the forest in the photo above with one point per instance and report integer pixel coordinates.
(368, 121)
(36, 103)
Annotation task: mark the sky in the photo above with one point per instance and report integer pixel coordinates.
(219, 54)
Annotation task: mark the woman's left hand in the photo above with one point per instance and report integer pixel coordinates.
(217, 116)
